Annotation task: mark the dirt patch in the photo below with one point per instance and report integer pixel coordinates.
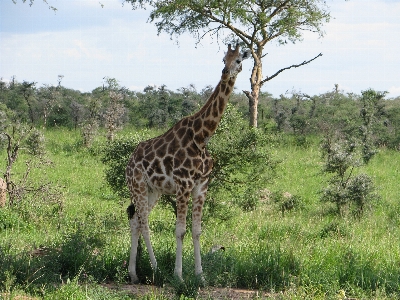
(205, 293)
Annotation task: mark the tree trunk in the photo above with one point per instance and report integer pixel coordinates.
(255, 83)
(3, 192)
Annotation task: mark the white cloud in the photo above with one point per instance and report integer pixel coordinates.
(394, 91)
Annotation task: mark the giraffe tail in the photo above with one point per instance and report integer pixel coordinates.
(130, 211)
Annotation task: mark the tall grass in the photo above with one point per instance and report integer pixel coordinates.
(307, 253)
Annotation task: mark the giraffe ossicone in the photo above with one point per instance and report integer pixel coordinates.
(178, 163)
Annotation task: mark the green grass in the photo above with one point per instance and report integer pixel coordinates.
(307, 253)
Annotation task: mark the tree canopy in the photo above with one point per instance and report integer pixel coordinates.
(253, 23)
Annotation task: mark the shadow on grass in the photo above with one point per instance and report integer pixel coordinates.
(82, 257)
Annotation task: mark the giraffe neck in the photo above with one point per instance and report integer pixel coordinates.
(206, 120)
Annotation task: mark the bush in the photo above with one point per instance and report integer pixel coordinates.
(344, 188)
(115, 156)
(242, 163)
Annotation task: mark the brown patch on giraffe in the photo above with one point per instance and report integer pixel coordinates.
(186, 196)
(187, 163)
(147, 147)
(223, 86)
(173, 146)
(197, 163)
(216, 91)
(227, 91)
(215, 104)
(215, 112)
(179, 157)
(208, 111)
(199, 140)
(193, 151)
(161, 151)
(169, 136)
(168, 164)
(185, 122)
(136, 173)
(139, 149)
(182, 173)
(211, 125)
(145, 164)
(158, 143)
(181, 132)
(197, 125)
(181, 154)
(186, 139)
(149, 156)
(221, 105)
(156, 166)
(150, 172)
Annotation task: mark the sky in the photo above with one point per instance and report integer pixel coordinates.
(88, 40)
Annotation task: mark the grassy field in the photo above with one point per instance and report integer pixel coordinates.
(67, 249)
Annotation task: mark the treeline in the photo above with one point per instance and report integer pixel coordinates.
(112, 107)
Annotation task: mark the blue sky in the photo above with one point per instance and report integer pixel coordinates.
(86, 40)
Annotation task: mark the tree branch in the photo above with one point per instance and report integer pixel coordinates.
(208, 14)
(268, 78)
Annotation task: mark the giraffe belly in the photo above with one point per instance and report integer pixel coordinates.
(162, 184)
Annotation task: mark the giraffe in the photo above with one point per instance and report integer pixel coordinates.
(177, 162)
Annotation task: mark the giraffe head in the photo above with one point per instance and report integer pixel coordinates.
(233, 62)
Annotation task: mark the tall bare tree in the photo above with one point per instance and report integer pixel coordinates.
(253, 22)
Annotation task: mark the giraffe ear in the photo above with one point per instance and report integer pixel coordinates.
(246, 54)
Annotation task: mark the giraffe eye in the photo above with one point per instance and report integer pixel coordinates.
(238, 61)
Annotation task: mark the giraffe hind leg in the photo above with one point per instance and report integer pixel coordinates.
(135, 232)
(139, 225)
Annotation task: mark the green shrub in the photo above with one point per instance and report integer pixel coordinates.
(344, 188)
(116, 155)
(242, 162)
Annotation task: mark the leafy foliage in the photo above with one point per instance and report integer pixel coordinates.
(116, 155)
(371, 112)
(242, 163)
(344, 188)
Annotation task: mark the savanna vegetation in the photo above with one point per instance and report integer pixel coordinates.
(303, 207)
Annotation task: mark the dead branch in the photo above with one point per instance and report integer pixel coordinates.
(268, 78)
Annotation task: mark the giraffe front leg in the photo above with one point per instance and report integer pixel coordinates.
(182, 200)
(198, 195)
